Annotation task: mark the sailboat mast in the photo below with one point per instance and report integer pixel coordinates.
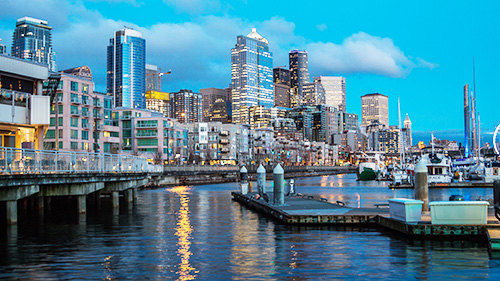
(478, 135)
(474, 111)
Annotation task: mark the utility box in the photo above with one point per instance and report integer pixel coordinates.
(40, 110)
(459, 212)
(405, 209)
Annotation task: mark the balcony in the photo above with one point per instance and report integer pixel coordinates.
(224, 141)
(86, 126)
(76, 112)
(97, 103)
(224, 150)
(75, 100)
(85, 113)
(85, 101)
(97, 115)
(126, 117)
(99, 127)
(141, 134)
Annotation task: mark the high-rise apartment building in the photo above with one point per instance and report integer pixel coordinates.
(299, 75)
(159, 102)
(152, 78)
(374, 108)
(214, 105)
(347, 122)
(334, 90)
(3, 50)
(251, 76)
(186, 106)
(32, 41)
(126, 70)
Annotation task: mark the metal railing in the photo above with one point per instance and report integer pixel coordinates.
(199, 168)
(34, 161)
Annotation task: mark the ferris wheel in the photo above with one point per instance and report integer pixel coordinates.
(496, 142)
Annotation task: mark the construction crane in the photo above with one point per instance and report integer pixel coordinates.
(160, 74)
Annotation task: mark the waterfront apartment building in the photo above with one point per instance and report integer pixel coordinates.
(214, 105)
(32, 40)
(126, 69)
(24, 110)
(299, 75)
(213, 143)
(374, 108)
(159, 102)
(251, 76)
(81, 119)
(151, 135)
(3, 50)
(334, 87)
(186, 106)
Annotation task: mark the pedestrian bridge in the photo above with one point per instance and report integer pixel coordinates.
(42, 174)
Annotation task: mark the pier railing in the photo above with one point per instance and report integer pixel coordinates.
(199, 168)
(25, 161)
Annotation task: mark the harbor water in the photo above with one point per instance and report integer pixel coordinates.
(199, 233)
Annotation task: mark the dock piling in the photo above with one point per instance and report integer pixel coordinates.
(279, 188)
(261, 180)
(244, 180)
(421, 186)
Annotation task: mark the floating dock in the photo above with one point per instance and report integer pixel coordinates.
(447, 185)
(308, 210)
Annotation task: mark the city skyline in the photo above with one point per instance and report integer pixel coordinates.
(421, 58)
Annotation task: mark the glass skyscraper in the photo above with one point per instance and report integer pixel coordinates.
(251, 76)
(334, 90)
(32, 41)
(126, 71)
(299, 75)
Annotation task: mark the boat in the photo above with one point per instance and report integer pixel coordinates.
(491, 171)
(369, 167)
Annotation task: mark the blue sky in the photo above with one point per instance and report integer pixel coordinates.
(419, 51)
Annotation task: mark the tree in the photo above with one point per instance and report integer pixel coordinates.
(158, 158)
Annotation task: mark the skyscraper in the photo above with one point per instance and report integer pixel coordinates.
(312, 94)
(126, 78)
(407, 126)
(299, 74)
(32, 41)
(281, 80)
(152, 78)
(251, 76)
(334, 90)
(214, 105)
(3, 50)
(374, 109)
(186, 106)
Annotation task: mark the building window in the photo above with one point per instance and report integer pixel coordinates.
(51, 134)
(74, 145)
(147, 142)
(85, 88)
(85, 135)
(74, 86)
(74, 134)
(85, 145)
(74, 122)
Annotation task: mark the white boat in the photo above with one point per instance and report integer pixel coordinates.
(491, 171)
(438, 167)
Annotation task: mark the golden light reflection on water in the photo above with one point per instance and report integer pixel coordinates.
(183, 232)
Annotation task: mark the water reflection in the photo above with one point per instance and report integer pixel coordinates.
(183, 232)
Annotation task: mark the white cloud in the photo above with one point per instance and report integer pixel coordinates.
(321, 27)
(362, 53)
(194, 6)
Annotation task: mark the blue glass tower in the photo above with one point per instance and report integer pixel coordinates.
(251, 76)
(126, 71)
(32, 41)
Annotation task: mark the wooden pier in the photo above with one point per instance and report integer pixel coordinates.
(308, 210)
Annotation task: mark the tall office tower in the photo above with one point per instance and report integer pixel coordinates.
(375, 108)
(299, 75)
(126, 77)
(251, 76)
(229, 104)
(32, 41)
(347, 122)
(467, 138)
(186, 106)
(152, 78)
(407, 126)
(334, 90)
(312, 94)
(214, 105)
(281, 80)
(159, 102)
